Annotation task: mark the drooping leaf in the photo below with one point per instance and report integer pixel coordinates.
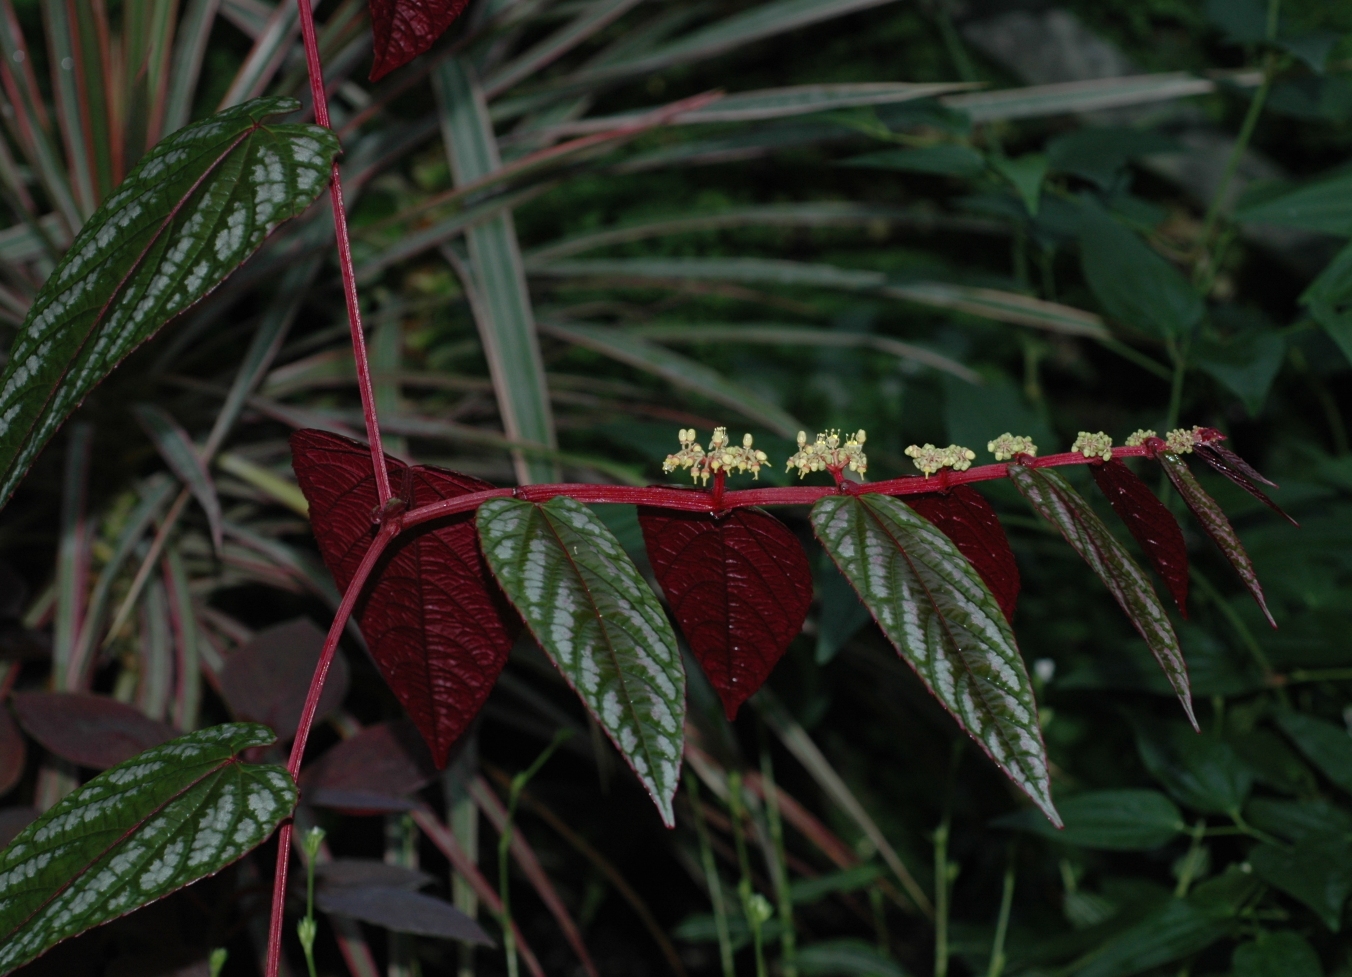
(1239, 471)
(1317, 871)
(943, 621)
(1202, 772)
(91, 730)
(587, 605)
(1151, 524)
(1284, 953)
(267, 680)
(13, 752)
(1327, 746)
(194, 208)
(375, 770)
(1057, 502)
(436, 623)
(136, 833)
(1110, 820)
(739, 586)
(1212, 518)
(401, 911)
(964, 516)
(403, 29)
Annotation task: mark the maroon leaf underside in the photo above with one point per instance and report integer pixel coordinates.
(1239, 471)
(89, 730)
(1150, 523)
(403, 29)
(967, 519)
(438, 626)
(739, 586)
(1217, 526)
(13, 752)
(267, 680)
(374, 771)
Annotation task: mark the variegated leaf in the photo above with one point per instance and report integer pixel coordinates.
(588, 606)
(932, 604)
(1057, 502)
(161, 820)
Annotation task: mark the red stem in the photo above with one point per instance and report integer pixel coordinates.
(368, 400)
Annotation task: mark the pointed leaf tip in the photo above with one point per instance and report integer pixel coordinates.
(403, 29)
(739, 586)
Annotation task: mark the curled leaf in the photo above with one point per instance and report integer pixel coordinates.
(964, 516)
(1150, 524)
(739, 586)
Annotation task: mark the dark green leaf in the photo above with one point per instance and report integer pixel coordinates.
(1313, 48)
(1329, 299)
(1213, 520)
(808, 891)
(846, 958)
(841, 615)
(1246, 365)
(1025, 174)
(944, 622)
(587, 605)
(1273, 763)
(1327, 746)
(1324, 206)
(1202, 772)
(1317, 872)
(1295, 819)
(941, 160)
(1280, 954)
(136, 833)
(1244, 21)
(194, 208)
(1099, 154)
(1111, 820)
(1135, 285)
(1054, 499)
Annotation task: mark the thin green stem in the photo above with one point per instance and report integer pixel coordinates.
(307, 927)
(788, 938)
(1192, 861)
(941, 898)
(1179, 355)
(997, 964)
(711, 878)
(751, 908)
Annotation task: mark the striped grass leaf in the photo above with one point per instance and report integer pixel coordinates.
(1096, 94)
(182, 457)
(1212, 518)
(945, 623)
(1056, 501)
(147, 827)
(588, 606)
(197, 205)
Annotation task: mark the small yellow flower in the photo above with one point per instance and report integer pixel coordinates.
(1007, 445)
(719, 458)
(1139, 437)
(828, 454)
(930, 459)
(1097, 445)
(1180, 441)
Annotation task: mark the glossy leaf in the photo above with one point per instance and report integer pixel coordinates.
(403, 29)
(964, 516)
(739, 587)
(267, 680)
(91, 730)
(1239, 471)
(374, 770)
(436, 623)
(1327, 746)
(401, 911)
(1057, 502)
(1281, 954)
(1212, 518)
(1110, 820)
(1202, 772)
(587, 605)
(943, 621)
(136, 833)
(1151, 524)
(194, 208)
(1317, 871)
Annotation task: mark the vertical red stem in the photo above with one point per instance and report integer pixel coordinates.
(368, 401)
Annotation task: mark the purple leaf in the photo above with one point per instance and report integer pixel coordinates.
(13, 752)
(349, 873)
(1239, 471)
(1150, 523)
(402, 911)
(266, 681)
(403, 29)
(374, 771)
(90, 730)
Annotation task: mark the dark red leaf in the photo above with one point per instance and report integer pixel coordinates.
(91, 730)
(438, 626)
(13, 820)
(1150, 523)
(403, 29)
(266, 681)
(740, 587)
(374, 771)
(964, 516)
(1239, 471)
(13, 752)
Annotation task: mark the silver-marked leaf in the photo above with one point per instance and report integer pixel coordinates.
(1212, 518)
(588, 606)
(1057, 502)
(945, 623)
(195, 207)
(136, 833)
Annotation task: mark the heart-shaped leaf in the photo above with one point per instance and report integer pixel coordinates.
(136, 833)
(587, 605)
(740, 587)
(191, 211)
(268, 679)
(436, 623)
(1212, 517)
(1057, 502)
(935, 609)
(1150, 524)
(964, 516)
(403, 29)
(91, 730)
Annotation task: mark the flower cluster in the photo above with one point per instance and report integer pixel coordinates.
(721, 457)
(1097, 445)
(930, 459)
(828, 454)
(1179, 441)
(1007, 446)
(1139, 437)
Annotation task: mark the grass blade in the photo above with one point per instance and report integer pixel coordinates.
(72, 559)
(184, 460)
(1063, 98)
(266, 56)
(594, 18)
(190, 50)
(183, 619)
(990, 303)
(155, 674)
